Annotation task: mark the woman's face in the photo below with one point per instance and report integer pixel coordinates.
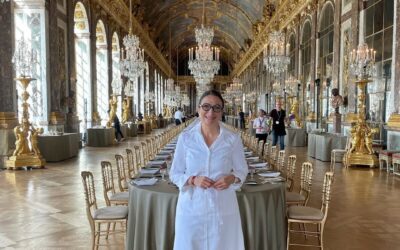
(210, 117)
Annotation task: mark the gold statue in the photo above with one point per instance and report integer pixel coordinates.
(294, 111)
(21, 143)
(34, 140)
(167, 112)
(368, 139)
(113, 110)
(355, 138)
(126, 104)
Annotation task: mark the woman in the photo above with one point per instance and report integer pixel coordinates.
(261, 126)
(208, 165)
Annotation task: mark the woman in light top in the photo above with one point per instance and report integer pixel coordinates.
(209, 165)
(261, 125)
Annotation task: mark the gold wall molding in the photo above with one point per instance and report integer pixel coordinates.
(286, 12)
(120, 12)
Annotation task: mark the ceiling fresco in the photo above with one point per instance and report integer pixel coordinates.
(235, 22)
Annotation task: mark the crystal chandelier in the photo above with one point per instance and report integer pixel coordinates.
(116, 86)
(277, 88)
(204, 59)
(185, 100)
(149, 96)
(24, 59)
(292, 85)
(132, 62)
(276, 61)
(362, 62)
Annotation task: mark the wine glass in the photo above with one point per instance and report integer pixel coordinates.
(163, 171)
(252, 170)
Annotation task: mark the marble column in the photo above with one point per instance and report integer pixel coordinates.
(396, 57)
(336, 44)
(313, 63)
(8, 100)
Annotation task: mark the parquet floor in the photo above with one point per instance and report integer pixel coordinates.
(45, 209)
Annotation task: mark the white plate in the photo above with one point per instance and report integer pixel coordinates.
(270, 174)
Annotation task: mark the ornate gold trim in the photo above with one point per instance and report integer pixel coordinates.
(8, 120)
(286, 12)
(57, 118)
(120, 12)
(394, 120)
(18, 161)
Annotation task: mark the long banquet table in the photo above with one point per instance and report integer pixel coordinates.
(151, 220)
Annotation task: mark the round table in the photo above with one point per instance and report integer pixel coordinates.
(151, 220)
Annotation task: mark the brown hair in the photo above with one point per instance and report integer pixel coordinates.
(213, 93)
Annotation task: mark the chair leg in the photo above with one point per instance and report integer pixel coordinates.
(108, 230)
(93, 238)
(98, 235)
(321, 232)
(288, 237)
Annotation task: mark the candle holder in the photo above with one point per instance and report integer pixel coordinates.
(362, 66)
(26, 153)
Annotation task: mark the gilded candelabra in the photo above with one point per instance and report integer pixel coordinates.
(360, 151)
(126, 109)
(27, 152)
(113, 110)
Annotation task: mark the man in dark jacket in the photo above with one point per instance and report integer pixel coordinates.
(278, 125)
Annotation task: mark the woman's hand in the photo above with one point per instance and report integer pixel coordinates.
(224, 182)
(203, 182)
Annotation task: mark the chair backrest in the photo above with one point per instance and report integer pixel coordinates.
(90, 195)
(273, 154)
(290, 172)
(143, 154)
(130, 160)
(149, 148)
(280, 164)
(121, 172)
(306, 180)
(260, 148)
(326, 192)
(138, 159)
(108, 180)
(266, 151)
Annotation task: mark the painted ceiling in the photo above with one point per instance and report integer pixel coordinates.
(235, 22)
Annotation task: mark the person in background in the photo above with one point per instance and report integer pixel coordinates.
(117, 127)
(223, 119)
(241, 119)
(278, 116)
(261, 126)
(178, 116)
(208, 166)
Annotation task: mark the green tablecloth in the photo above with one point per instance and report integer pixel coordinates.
(100, 137)
(58, 147)
(320, 145)
(295, 137)
(151, 220)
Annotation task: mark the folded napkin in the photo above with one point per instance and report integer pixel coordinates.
(162, 157)
(258, 165)
(270, 174)
(252, 158)
(157, 163)
(273, 180)
(248, 153)
(167, 151)
(145, 181)
(149, 171)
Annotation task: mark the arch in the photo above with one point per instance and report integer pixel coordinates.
(82, 66)
(328, 6)
(305, 29)
(102, 88)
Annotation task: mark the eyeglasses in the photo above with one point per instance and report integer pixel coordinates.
(216, 108)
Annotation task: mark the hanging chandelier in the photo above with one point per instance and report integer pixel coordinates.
(132, 62)
(204, 59)
(292, 86)
(276, 59)
(116, 86)
(129, 89)
(362, 62)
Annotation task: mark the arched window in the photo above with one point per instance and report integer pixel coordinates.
(29, 25)
(292, 55)
(379, 36)
(82, 65)
(305, 52)
(326, 55)
(116, 73)
(102, 71)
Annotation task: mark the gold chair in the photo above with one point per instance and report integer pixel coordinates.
(302, 197)
(260, 148)
(121, 173)
(110, 196)
(340, 152)
(290, 172)
(144, 157)
(280, 163)
(266, 151)
(273, 156)
(138, 162)
(98, 216)
(309, 215)
(130, 160)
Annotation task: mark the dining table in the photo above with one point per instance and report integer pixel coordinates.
(151, 220)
